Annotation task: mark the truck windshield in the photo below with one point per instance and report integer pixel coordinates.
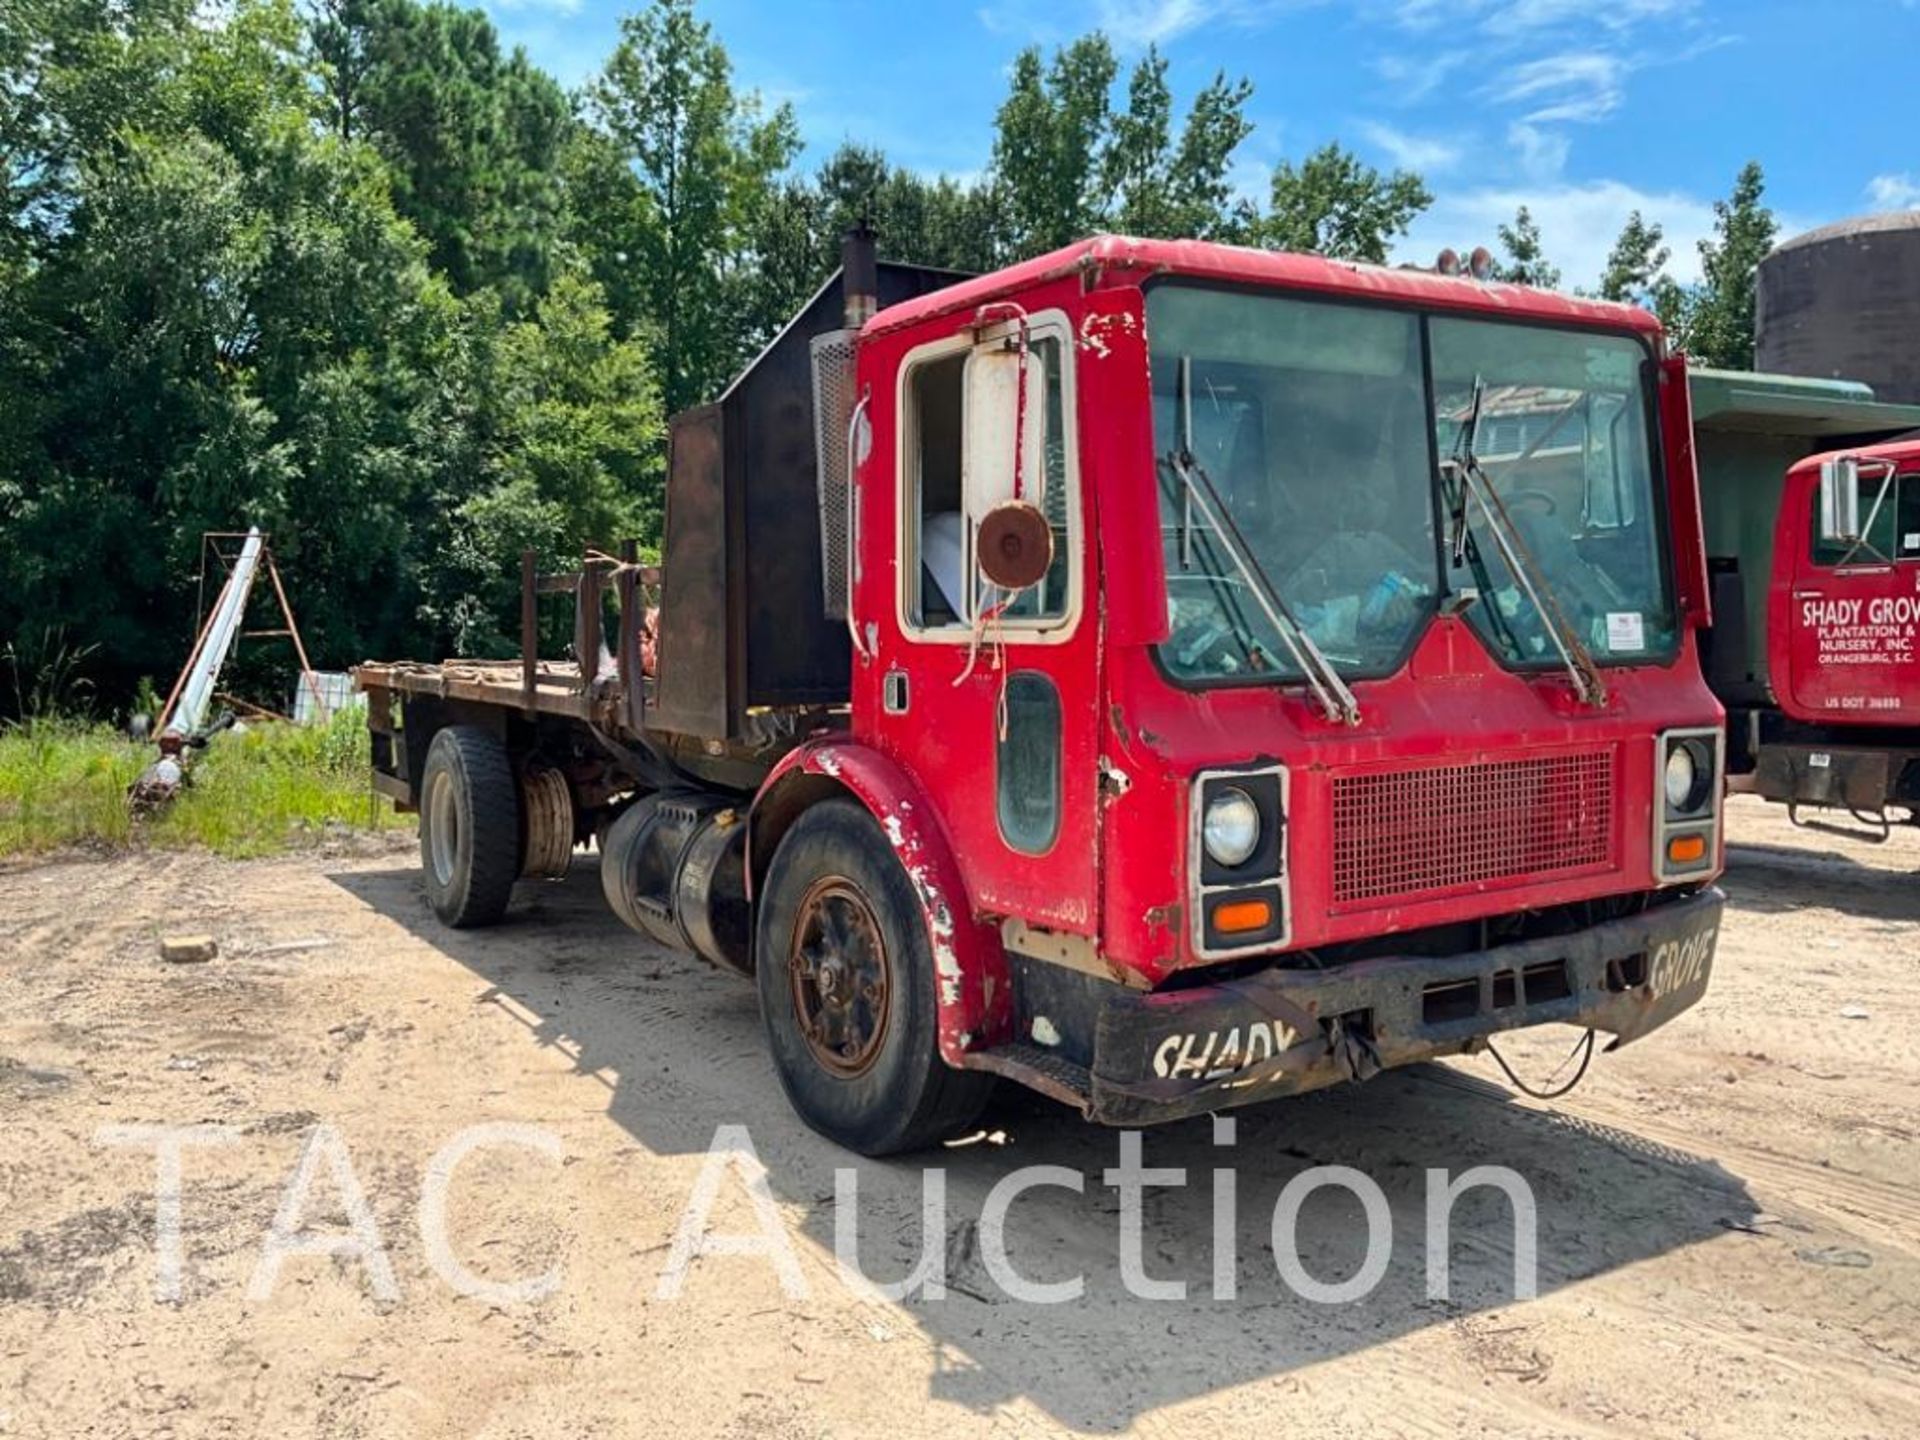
(1319, 426)
(1310, 421)
(1563, 440)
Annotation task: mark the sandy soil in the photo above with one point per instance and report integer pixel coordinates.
(1728, 1218)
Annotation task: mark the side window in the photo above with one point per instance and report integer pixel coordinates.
(936, 559)
(1878, 507)
(1027, 772)
(942, 584)
(1908, 528)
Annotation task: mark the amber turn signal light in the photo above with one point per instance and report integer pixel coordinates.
(1686, 849)
(1236, 917)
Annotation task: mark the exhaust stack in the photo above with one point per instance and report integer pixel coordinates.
(859, 278)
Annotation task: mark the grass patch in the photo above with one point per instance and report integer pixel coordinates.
(268, 789)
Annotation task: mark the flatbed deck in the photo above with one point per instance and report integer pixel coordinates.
(550, 696)
(556, 684)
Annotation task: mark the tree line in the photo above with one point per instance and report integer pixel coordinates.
(359, 274)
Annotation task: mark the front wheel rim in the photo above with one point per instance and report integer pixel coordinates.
(443, 827)
(838, 978)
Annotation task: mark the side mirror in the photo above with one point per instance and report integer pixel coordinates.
(1840, 500)
(1014, 546)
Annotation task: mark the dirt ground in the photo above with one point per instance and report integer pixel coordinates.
(1729, 1227)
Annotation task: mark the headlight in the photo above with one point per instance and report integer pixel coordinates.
(1690, 778)
(1231, 827)
(1681, 777)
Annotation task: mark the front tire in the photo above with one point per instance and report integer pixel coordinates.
(469, 827)
(845, 974)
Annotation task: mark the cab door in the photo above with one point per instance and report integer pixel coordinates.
(1853, 616)
(989, 695)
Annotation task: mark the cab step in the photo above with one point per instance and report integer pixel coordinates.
(1045, 1070)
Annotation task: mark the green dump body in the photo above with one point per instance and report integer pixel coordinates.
(1748, 430)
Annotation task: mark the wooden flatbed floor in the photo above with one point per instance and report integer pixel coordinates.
(556, 688)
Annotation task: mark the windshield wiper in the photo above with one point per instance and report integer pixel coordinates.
(1336, 700)
(1470, 480)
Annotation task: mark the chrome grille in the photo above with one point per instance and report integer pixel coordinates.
(1406, 832)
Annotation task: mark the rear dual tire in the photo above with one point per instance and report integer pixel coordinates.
(469, 827)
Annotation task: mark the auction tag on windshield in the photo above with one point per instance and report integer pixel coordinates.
(1625, 631)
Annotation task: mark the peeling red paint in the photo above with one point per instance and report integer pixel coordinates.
(969, 964)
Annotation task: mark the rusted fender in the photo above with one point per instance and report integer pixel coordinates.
(970, 982)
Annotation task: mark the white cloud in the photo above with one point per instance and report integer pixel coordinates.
(1132, 25)
(1510, 18)
(1552, 63)
(1894, 192)
(1576, 86)
(1578, 224)
(1411, 152)
(1136, 24)
(1540, 154)
(1413, 79)
(1520, 17)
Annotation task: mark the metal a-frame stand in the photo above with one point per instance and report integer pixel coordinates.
(217, 547)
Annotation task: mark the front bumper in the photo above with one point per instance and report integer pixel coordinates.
(1170, 1054)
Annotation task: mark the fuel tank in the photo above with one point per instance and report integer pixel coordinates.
(673, 866)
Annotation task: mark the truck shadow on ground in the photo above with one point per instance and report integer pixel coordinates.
(684, 1043)
(1775, 879)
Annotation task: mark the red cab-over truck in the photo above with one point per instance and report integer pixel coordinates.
(1164, 674)
(1811, 497)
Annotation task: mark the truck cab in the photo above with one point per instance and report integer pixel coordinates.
(1259, 671)
(1810, 497)
(1277, 712)
(1843, 628)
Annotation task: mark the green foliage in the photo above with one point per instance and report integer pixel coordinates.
(572, 453)
(1635, 263)
(1334, 204)
(49, 679)
(244, 290)
(1167, 188)
(1050, 135)
(1714, 320)
(473, 138)
(1067, 163)
(1526, 262)
(686, 168)
(276, 787)
(64, 784)
(254, 792)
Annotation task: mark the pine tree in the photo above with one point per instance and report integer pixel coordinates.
(695, 168)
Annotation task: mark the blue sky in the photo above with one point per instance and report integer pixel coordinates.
(1583, 109)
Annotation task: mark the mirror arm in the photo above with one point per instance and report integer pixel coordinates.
(1186, 455)
(1861, 542)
